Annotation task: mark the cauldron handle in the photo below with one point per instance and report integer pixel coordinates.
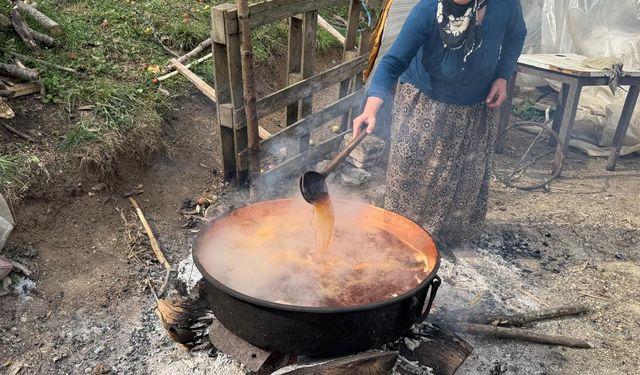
(418, 315)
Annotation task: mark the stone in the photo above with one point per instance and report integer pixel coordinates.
(353, 177)
(368, 153)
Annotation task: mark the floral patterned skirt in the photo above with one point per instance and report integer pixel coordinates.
(440, 164)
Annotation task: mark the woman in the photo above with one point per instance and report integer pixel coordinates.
(453, 59)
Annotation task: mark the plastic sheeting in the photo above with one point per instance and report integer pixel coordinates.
(593, 28)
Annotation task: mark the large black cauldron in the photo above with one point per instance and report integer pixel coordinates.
(317, 331)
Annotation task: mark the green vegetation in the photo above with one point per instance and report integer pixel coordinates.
(527, 112)
(115, 46)
(15, 173)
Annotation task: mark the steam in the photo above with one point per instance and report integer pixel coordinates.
(274, 257)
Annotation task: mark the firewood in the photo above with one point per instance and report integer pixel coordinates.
(524, 335)
(370, 363)
(39, 17)
(15, 71)
(152, 237)
(518, 320)
(22, 89)
(42, 38)
(22, 29)
(176, 72)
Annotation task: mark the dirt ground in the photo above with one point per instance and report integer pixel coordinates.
(88, 306)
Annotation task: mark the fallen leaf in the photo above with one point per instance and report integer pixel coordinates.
(104, 24)
(153, 68)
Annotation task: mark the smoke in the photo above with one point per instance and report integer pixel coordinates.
(269, 252)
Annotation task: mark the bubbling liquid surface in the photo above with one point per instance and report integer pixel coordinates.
(281, 258)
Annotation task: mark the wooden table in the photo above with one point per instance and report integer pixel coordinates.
(568, 69)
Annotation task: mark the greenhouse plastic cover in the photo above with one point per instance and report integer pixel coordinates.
(593, 28)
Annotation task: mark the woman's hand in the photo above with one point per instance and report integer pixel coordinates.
(368, 116)
(498, 93)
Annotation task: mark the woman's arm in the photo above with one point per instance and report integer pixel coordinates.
(512, 43)
(393, 64)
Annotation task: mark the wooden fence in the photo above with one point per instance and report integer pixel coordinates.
(302, 81)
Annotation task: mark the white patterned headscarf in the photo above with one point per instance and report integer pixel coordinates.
(459, 26)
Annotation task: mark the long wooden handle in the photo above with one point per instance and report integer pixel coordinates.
(343, 154)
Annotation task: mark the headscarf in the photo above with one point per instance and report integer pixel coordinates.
(458, 25)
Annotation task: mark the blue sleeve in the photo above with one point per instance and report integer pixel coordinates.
(411, 37)
(513, 41)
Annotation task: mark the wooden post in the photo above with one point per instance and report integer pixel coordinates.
(223, 90)
(249, 90)
(294, 63)
(310, 23)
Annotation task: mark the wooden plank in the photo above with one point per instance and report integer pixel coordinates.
(332, 30)
(307, 124)
(269, 11)
(294, 64)
(273, 102)
(566, 63)
(197, 81)
(26, 88)
(301, 161)
(368, 363)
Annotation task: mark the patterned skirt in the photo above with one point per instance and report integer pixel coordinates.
(440, 164)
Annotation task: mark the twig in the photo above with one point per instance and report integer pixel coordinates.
(21, 267)
(175, 72)
(152, 237)
(521, 334)
(518, 320)
(22, 29)
(133, 193)
(152, 290)
(42, 62)
(18, 133)
(194, 52)
(165, 284)
(41, 18)
(533, 297)
(596, 297)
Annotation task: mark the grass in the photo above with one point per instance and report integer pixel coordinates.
(15, 174)
(113, 44)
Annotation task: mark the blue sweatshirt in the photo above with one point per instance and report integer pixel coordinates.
(443, 75)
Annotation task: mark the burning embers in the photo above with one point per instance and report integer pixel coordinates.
(293, 254)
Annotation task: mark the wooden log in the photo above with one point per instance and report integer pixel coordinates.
(246, 50)
(5, 23)
(185, 319)
(39, 17)
(290, 94)
(222, 339)
(197, 81)
(22, 29)
(518, 320)
(440, 350)
(369, 363)
(42, 38)
(152, 238)
(332, 30)
(524, 335)
(17, 72)
(269, 11)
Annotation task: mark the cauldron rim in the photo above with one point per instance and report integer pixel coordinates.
(315, 309)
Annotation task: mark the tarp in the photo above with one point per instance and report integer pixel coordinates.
(593, 28)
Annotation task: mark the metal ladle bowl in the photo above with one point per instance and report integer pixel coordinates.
(313, 185)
